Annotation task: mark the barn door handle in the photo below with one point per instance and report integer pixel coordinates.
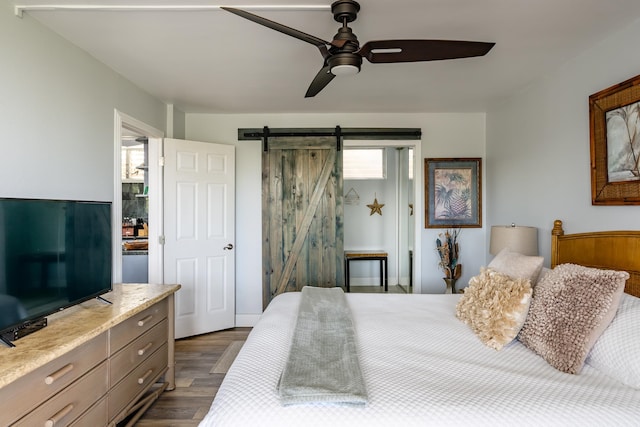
(228, 247)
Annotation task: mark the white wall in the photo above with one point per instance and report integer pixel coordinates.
(57, 114)
(443, 135)
(538, 162)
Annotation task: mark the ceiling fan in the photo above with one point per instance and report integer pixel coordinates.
(343, 55)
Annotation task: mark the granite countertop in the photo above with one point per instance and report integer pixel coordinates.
(76, 325)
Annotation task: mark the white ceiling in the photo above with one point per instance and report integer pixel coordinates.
(209, 60)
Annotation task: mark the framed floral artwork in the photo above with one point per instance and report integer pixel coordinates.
(453, 193)
(614, 122)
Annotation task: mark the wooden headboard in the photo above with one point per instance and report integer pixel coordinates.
(614, 250)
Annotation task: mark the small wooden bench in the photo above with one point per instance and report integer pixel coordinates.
(367, 256)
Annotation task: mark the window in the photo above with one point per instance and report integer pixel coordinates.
(133, 163)
(363, 163)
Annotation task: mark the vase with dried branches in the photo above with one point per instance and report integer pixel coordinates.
(448, 250)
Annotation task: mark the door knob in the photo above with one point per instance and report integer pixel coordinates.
(229, 247)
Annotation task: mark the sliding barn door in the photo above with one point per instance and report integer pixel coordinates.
(302, 215)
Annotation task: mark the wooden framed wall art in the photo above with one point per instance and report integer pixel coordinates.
(614, 119)
(453, 193)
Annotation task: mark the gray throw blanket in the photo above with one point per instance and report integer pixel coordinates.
(323, 365)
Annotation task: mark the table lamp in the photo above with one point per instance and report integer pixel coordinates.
(520, 239)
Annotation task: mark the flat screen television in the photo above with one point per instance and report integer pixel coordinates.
(53, 254)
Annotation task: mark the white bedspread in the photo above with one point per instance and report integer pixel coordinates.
(422, 367)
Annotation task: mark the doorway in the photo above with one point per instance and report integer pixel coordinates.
(135, 207)
(206, 301)
(136, 202)
(392, 228)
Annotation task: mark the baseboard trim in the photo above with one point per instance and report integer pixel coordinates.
(246, 320)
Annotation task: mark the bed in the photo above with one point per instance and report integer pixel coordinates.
(423, 366)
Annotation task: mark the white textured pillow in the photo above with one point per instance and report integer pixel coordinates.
(495, 306)
(617, 351)
(517, 265)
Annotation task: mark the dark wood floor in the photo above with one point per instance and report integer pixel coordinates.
(195, 385)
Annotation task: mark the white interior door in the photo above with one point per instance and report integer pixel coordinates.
(199, 190)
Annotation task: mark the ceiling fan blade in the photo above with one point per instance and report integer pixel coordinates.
(278, 27)
(319, 82)
(385, 51)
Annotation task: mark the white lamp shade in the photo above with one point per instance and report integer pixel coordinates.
(523, 240)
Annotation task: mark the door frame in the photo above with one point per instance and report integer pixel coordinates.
(123, 121)
(416, 144)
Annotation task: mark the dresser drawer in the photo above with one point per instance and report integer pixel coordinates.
(62, 409)
(137, 351)
(123, 333)
(21, 396)
(138, 381)
(95, 416)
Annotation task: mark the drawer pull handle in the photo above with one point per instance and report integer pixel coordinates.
(144, 349)
(143, 378)
(142, 322)
(58, 374)
(55, 419)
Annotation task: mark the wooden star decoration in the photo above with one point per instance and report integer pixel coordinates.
(375, 207)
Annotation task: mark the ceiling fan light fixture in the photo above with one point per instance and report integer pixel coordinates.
(346, 69)
(345, 63)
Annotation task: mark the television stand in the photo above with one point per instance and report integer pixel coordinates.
(103, 299)
(6, 341)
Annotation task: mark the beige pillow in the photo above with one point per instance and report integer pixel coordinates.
(517, 265)
(495, 306)
(571, 307)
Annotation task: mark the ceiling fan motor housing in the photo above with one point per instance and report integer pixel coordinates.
(345, 60)
(345, 33)
(345, 9)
